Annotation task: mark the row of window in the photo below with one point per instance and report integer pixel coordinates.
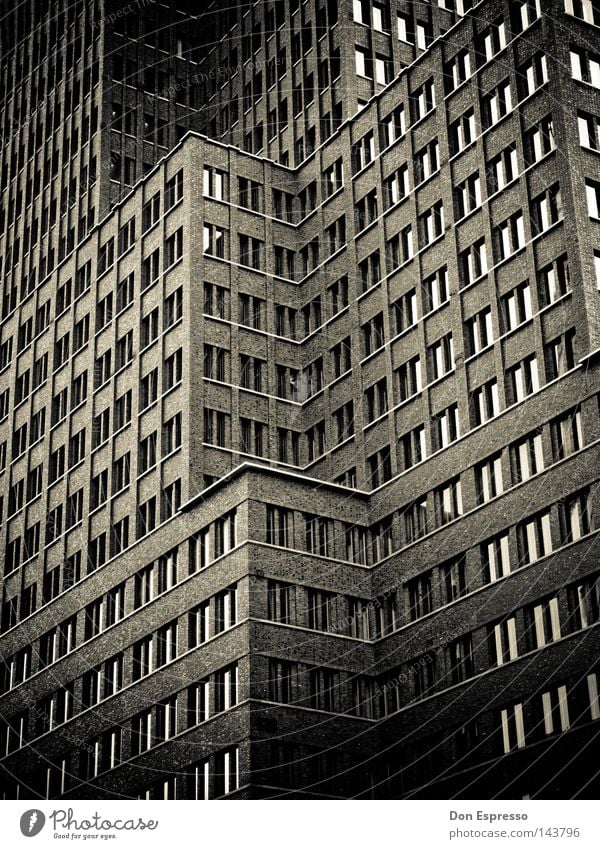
(538, 625)
(205, 621)
(546, 712)
(210, 543)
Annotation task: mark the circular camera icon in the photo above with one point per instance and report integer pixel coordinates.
(32, 822)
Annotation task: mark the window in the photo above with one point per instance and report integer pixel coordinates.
(423, 100)
(226, 688)
(584, 603)
(513, 728)
(251, 251)
(509, 237)
(585, 67)
(214, 362)
(493, 40)
(527, 457)
(392, 127)
(495, 558)
(252, 437)
(151, 212)
(534, 538)
(431, 225)
(445, 428)
(362, 63)
(173, 190)
(560, 357)
(412, 447)
(415, 519)
(497, 104)
(554, 280)
(542, 623)
(279, 526)
(338, 294)
(383, 70)
(342, 357)
(376, 400)
(149, 389)
(172, 370)
(589, 130)
(366, 210)
(479, 332)
(488, 479)
(405, 311)
(454, 578)
(523, 379)
(249, 194)
(121, 474)
(539, 141)
(315, 441)
(516, 307)
(225, 609)
(343, 419)
(373, 334)
(404, 27)
(467, 195)
(503, 641)
(533, 74)
(441, 357)
(213, 183)
(106, 259)
(460, 659)
(502, 169)
(575, 516)
(150, 271)
(126, 236)
(546, 210)
(214, 241)
(462, 133)
(458, 70)
(76, 448)
(567, 434)
(251, 372)
(174, 248)
(251, 311)
(396, 187)
(323, 689)
(427, 161)
(126, 287)
(473, 262)
(363, 152)
(409, 378)
(369, 270)
(335, 234)
(420, 599)
(448, 501)
(283, 204)
(584, 9)
(122, 414)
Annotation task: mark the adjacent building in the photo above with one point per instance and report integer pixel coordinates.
(299, 401)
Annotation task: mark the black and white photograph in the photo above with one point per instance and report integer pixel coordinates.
(299, 411)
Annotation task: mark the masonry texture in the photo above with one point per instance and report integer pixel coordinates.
(299, 403)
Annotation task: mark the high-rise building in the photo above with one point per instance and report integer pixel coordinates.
(299, 431)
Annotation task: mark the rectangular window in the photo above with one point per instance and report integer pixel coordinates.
(214, 241)
(513, 728)
(534, 538)
(567, 434)
(445, 427)
(523, 379)
(560, 356)
(479, 332)
(495, 558)
(448, 501)
(214, 183)
(441, 357)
